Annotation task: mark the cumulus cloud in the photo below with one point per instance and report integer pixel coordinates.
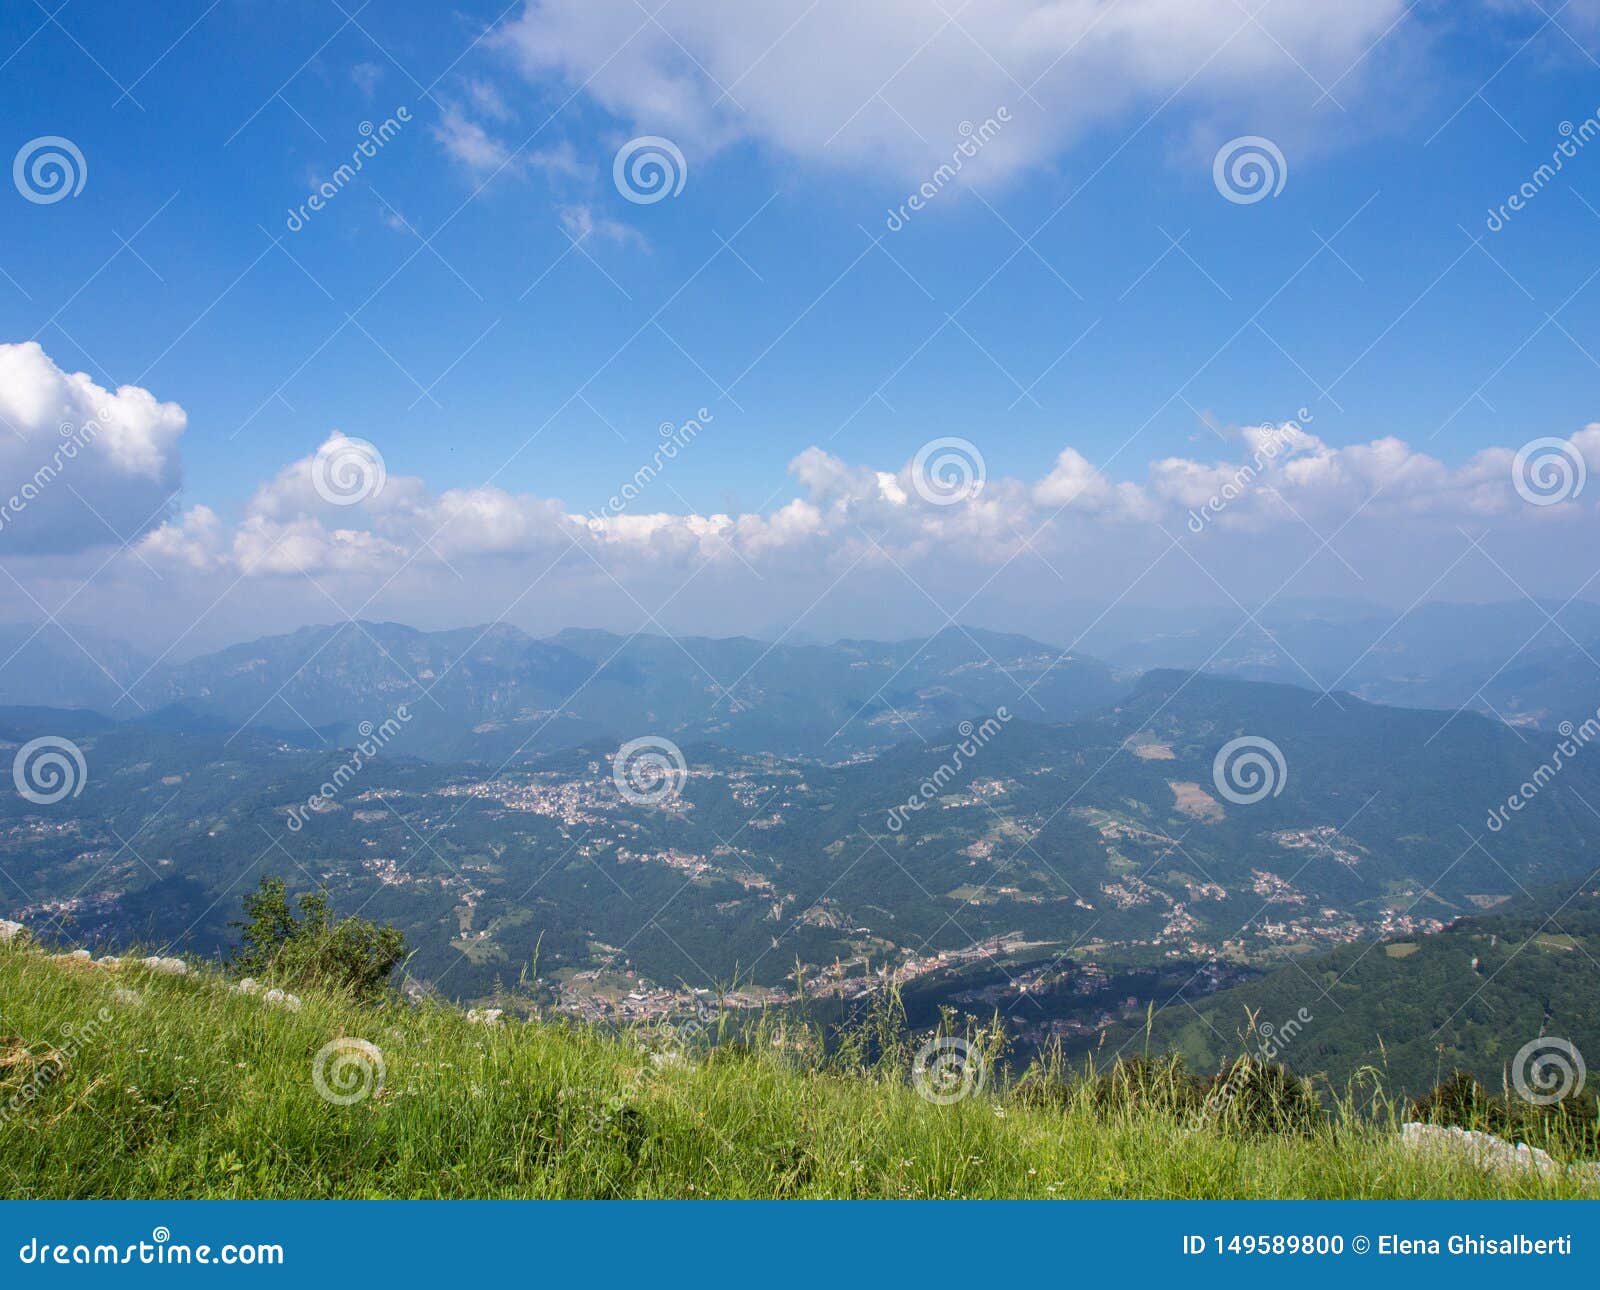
(864, 544)
(890, 82)
(1076, 482)
(73, 446)
(847, 514)
(84, 466)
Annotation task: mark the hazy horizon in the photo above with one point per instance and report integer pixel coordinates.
(1108, 624)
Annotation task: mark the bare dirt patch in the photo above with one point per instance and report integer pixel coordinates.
(1192, 800)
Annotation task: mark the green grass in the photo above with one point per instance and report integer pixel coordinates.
(197, 1091)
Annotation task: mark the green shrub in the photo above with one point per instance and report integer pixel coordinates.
(312, 949)
(1253, 1096)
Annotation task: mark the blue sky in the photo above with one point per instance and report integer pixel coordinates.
(1082, 285)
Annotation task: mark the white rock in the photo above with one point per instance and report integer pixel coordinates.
(282, 999)
(127, 998)
(10, 931)
(249, 985)
(485, 1016)
(167, 966)
(76, 956)
(109, 963)
(1490, 1153)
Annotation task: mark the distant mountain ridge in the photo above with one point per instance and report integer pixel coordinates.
(1527, 662)
(495, 692)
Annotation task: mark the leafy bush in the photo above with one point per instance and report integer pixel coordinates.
(1253, 1096)
(351, 954)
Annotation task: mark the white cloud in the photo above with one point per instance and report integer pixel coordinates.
(393, 219)
(891, 81)
(581, 223)
(865, 519)
(561, 160)
(1281, 478)
(468, 142)
(1074, 482)
(861, 543)
(193, 541)
(83, 466)
(486, 99)
(483, 151)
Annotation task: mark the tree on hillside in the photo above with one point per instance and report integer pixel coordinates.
(313, 948)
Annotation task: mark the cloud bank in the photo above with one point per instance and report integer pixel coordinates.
(1282, 476)
(341, 530)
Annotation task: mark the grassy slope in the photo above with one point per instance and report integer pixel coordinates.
(199, 1092)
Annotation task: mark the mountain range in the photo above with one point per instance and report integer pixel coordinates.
(496, 693)
(996, 822)
(1526, 661)
(1112, 833)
